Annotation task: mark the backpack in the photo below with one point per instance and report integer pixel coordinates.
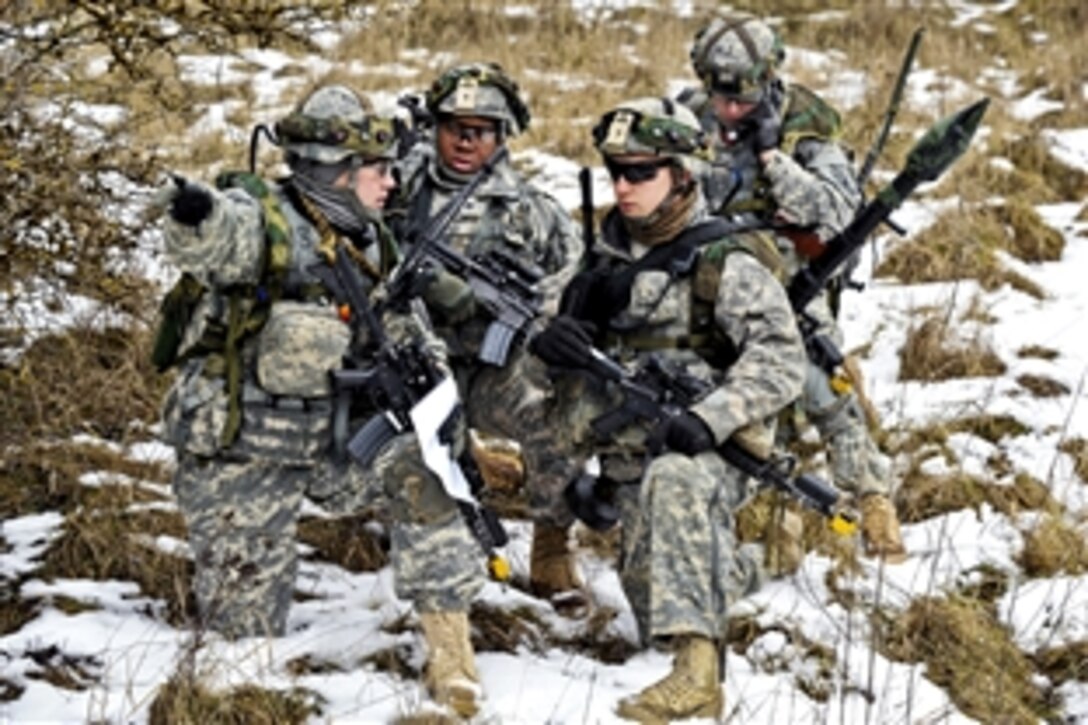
(248, 305)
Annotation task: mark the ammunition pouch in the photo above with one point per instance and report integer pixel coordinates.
(284, 429)
(297, 347)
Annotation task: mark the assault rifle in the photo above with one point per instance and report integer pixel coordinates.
(657, 392)
(502, 283)
(934, 153)
(398, 379)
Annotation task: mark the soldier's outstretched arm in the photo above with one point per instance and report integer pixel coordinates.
(218, 237)
(753, 311)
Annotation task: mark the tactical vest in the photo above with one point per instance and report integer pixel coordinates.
(806, 117)
(248, 305)
(704, 337)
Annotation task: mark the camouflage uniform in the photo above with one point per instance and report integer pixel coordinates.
(240, 482)
(505, 213)
(809, 182)
(681, 565)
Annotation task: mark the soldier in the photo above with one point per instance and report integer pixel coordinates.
(664, 284)
(777, 163)
(255, 334)
(476, 108)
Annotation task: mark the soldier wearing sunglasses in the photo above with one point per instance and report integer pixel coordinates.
(477, 108)
(664, 283)
(777, 162)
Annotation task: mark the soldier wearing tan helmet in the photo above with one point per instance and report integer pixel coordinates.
(477, 108)
(253, 332)
(663, 285)
(777, 162)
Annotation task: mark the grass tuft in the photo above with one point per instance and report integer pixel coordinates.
(183, 702)
(968, 653)
(927, 356)
(344, 541)
(1042, 386)
(1078, 449)
(1064, 663)
(1052, 547)
(1037, 351)
(495, 629)
(98, 542)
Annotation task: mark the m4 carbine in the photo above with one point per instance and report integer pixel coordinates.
(657, 392)
(393, 378)
(503, 284)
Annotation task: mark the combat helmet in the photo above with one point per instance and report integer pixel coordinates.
(333, 123)
(737, 57)
(655, 126)
(479, 89)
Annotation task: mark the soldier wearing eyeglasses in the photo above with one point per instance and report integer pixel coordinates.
(665, 283)
(778, 164)
(476, 109)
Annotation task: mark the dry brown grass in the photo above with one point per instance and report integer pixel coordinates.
(97, 542)
(1042, 386)
(1064, 663)
(344, 541)
(80, 381)
(46, 477)
(1078, 449)
(928, 355)
(922, 496)
(1038, 351)
(1053, 546)
(182, 701)
(962, 245)
(969, 654)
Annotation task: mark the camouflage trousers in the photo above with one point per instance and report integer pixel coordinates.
(515, 402)
(857, 465)
(241, 519)
(681, 565)
(437, 565)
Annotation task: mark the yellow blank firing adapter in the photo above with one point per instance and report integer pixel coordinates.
(843, 523)
(499, 568)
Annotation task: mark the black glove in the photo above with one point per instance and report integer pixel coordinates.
(565, 342)
(686, 433)
(766, 126)
(191, 204)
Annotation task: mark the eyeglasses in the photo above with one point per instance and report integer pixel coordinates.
(637, 173)
(464, 132)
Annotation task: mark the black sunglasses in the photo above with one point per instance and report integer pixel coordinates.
(636, 173)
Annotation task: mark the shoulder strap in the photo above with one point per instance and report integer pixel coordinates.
(277, 232)
(808, 116)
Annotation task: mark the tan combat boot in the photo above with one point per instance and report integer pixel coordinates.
(451, 676)
(551, 572)
(880, 529)
(692, 689)
(784, 543)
